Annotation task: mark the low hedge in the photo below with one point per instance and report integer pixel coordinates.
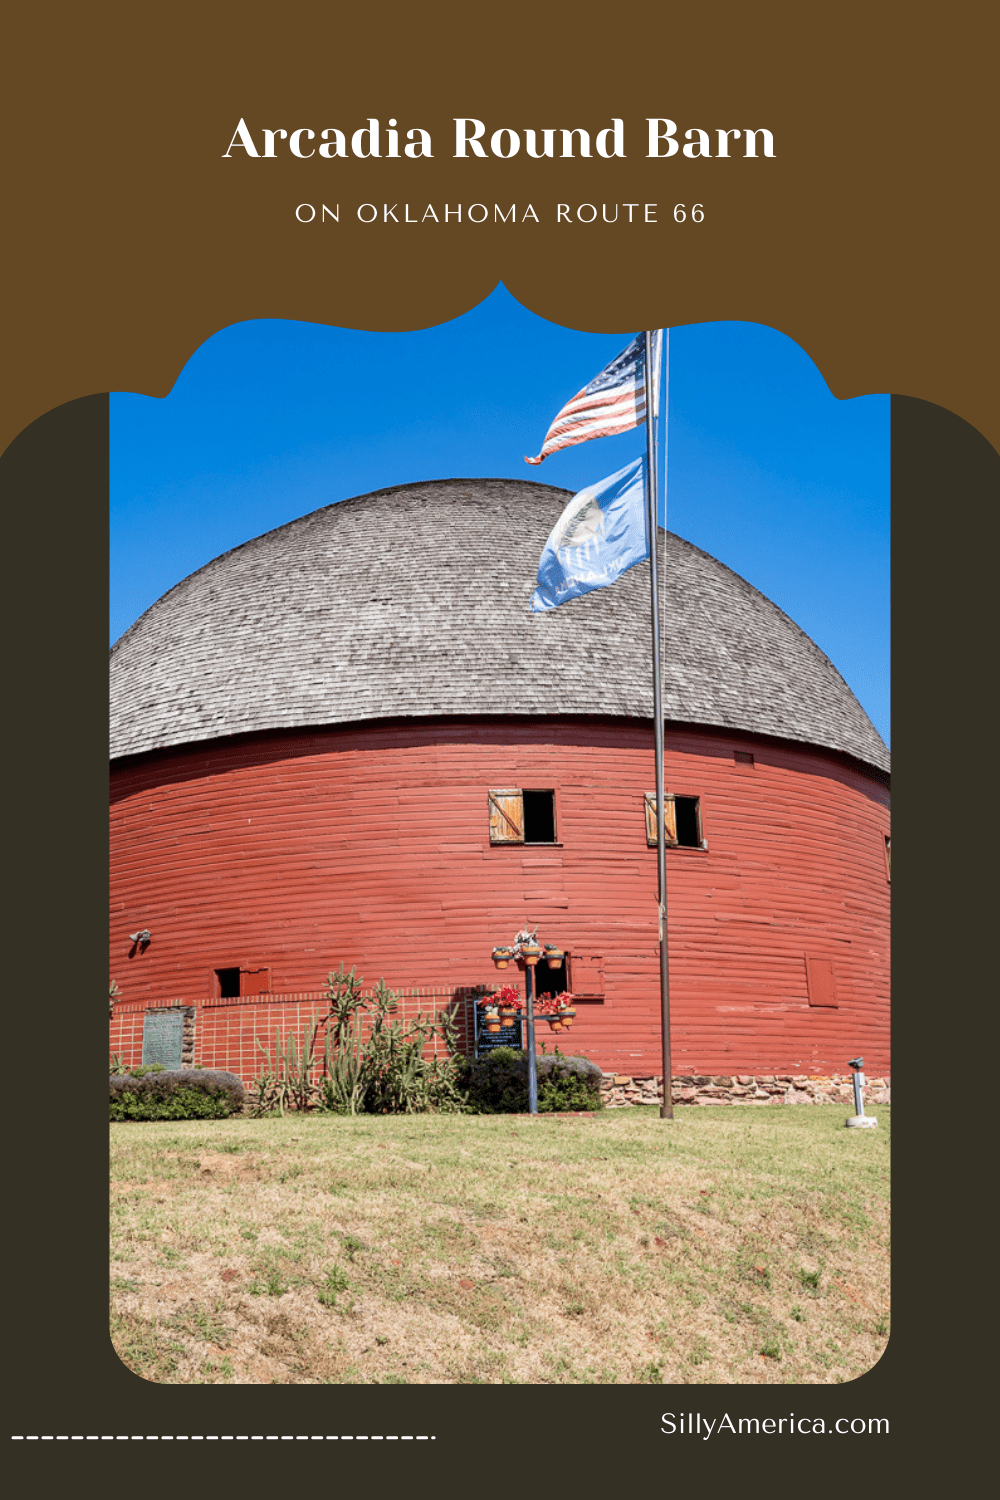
(175, 1094)
(497, 1082)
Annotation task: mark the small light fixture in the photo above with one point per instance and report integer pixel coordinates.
(142, 937)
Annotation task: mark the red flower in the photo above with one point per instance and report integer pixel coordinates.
(548, 1005)
(506, 998)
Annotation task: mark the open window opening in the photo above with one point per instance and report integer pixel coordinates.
(551, 982)
(581, 974)
(520, 816)
(688, 812)
(229, 983)
(539, 817)
(888, 862)
(682, 825)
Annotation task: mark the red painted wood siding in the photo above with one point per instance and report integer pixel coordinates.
(371, 846)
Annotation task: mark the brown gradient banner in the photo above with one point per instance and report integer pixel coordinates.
(863, 238)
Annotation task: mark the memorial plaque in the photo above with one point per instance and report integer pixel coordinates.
(163, 1037)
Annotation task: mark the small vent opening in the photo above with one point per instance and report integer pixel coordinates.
(743, 757)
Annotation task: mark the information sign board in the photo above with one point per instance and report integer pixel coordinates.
(163, 1037)
(507, 1036)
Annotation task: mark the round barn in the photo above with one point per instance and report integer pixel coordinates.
(349, 740)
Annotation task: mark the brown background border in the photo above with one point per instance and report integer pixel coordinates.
(868, 245)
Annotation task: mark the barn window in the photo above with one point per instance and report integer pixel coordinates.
(552, 981)
(522, 816)
(230, 983)
(539, 817)
(888, 864)
(681, 821)
(582, 973)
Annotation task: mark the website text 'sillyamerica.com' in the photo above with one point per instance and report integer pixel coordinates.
(693, 1424)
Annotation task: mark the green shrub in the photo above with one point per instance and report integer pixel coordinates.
(367, 1061)
(561, 1085)
(174, 1094)
(497, 1082)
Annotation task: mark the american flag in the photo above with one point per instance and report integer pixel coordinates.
(614, 401)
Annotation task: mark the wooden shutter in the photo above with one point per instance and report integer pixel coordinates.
(255, 981)
(507, 816)
(585, 975)
(669, 819)
(820, 982)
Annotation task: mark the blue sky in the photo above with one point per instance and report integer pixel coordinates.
(271, 419)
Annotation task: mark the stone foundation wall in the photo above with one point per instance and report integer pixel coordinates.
(187, 1039)
(619, 1089)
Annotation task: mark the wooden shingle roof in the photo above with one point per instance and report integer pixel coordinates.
(413, 601)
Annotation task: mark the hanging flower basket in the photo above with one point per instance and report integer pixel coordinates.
(531, 953)
(558, 1010)
(554, 956)
(492, 1019)
(502, 957)
(507, 1001)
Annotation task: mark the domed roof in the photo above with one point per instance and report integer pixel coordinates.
(414, 602)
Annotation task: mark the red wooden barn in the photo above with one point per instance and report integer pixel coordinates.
(350, 740)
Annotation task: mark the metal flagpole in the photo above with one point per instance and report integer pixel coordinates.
(667, 1106)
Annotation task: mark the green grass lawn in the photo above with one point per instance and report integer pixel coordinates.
(745, 1245)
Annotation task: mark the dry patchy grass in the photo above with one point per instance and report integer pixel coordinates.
(729, 1245)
